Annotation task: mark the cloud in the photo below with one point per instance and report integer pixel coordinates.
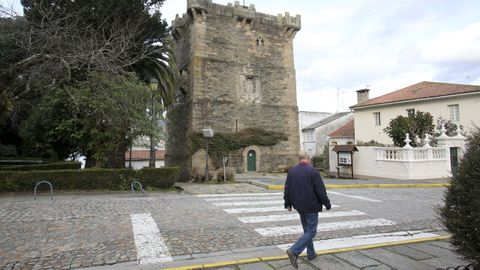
(453, 46)
(344, 46)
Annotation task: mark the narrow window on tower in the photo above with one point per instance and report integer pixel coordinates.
(260, 42)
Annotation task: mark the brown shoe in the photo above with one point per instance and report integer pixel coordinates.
(293, 258)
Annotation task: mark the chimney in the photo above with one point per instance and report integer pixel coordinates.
(362, 95)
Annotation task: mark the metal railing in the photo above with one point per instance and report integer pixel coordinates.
(43, 182)
(133, 183)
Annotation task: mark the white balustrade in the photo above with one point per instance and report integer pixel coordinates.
(411, 154)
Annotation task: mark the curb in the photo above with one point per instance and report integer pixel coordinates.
(323, 252)
(336, 186)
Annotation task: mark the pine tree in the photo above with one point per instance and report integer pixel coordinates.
(461, 213)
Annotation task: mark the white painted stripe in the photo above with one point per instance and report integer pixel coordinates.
(254, 210)
(294, 216)
(355, 197)
(369, 239)
(260, 209)
(267, 197)
(323, 227)
(249, 203)
(148, 240)
(238, 194)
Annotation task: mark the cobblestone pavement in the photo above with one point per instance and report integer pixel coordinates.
(83, 230)
(86, 230)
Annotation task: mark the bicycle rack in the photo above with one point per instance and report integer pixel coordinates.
(132, 184)
(43, 182)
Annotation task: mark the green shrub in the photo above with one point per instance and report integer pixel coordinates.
(461, 213)
(222, 144)
(88, 179)
(317, 162)
(229, 174)
(8, 150)
(66, 165)
(198, 174)
(158, 178)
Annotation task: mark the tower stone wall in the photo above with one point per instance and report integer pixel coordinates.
(237, 72)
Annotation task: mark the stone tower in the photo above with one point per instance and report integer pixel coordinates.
(237, 72)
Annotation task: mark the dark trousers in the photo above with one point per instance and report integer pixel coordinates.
(309, 224)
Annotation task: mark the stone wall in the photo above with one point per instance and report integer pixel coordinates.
(238, 72)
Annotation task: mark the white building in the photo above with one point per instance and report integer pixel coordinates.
(456, 102)
(140, 158)
(306, 119)
(315, 136)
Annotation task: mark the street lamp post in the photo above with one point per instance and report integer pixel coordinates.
(153, 87)
(207, 133)
(130, 158)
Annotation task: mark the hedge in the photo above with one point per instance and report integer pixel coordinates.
(66, 165)
(89, 179)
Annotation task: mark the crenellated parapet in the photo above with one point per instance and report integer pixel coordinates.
(294, 23)
(199, 10)
(291, 24)
(199, 4)
(178, 26)
(243, 13)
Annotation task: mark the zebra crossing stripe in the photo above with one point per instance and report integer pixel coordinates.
(323, 227)
(254, 210)
(355, 197)
(149, 242)
(369, 239)
(266, 197)
(259, 209)
(238, 194)
(249, 203)
(294, 216)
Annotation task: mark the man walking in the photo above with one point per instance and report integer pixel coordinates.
(305, 191)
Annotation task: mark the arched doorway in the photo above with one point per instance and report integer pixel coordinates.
(251, 161)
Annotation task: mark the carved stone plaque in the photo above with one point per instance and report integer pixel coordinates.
(248, 86)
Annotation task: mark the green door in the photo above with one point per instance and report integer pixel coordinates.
(251, 161)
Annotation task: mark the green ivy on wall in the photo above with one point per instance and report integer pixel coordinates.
(223, 143)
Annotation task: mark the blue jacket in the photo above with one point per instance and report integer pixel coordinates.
(305, 190)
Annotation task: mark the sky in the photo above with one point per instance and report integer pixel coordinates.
(382, 45)
(347, 45)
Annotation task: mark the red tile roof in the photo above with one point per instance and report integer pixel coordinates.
(144, 154)
(345, 131)
(420, 91)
